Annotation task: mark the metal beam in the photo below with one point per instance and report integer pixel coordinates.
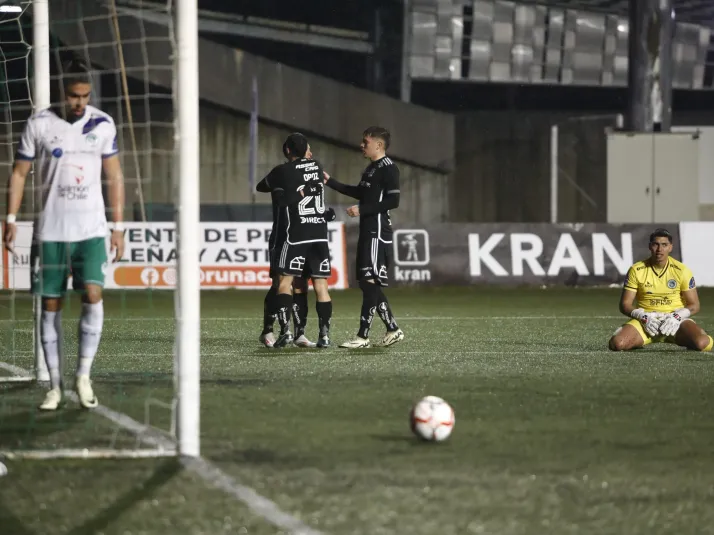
(255, 31)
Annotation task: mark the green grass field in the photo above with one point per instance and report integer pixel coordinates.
(554, 434)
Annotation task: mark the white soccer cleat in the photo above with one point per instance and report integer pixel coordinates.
(302, 341)
(267, 339)
(86, 395)
(392, 337)
(357, 343)
(52, 401)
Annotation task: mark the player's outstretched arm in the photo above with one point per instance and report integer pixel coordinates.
(115, 190)
(345, 189)
(15, 189)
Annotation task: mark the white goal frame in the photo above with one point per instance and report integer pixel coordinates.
(184, 439)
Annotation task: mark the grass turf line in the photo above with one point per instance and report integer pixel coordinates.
(554, 434)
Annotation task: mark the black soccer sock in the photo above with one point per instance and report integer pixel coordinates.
(268, 307)
(370, 296)
(299, 313)
(282, 304)
(385, 312)
(324, 313)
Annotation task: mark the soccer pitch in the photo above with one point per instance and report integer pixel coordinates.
(554, 433)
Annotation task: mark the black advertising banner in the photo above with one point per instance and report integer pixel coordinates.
(583, 254)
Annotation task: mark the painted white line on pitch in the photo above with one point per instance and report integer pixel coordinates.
(15, 370)
(206, 470)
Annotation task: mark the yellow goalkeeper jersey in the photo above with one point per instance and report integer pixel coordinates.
(659, 290)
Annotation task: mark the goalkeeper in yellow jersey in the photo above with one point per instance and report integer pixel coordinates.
(660, 296)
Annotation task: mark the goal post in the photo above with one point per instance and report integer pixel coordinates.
(164, 149)
(41, 101)
(187, 222)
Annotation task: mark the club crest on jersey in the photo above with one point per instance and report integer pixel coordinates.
(691, 283)
(671, 284)
(92, 139)
(57, 153)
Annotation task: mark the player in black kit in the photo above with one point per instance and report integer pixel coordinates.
(301, 244)
(378, 193)
(300, 303)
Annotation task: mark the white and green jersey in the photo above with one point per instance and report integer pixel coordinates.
(69, 165)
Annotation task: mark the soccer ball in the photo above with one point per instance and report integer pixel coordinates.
(432, 419)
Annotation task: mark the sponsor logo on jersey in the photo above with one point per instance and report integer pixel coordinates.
(411, 255)
(305, 220)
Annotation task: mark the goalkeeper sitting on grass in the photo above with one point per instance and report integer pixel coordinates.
(660, 296)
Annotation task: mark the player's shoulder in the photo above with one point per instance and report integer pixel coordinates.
(386, 163)
(679, 267)
(98, 117)
(639, 267)
(43, 117)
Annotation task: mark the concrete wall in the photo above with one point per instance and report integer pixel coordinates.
(225, 162)
(288, 97)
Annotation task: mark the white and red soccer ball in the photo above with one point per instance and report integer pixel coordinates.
(432, 419)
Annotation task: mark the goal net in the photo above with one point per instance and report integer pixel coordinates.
(131, 49)
(579, 168)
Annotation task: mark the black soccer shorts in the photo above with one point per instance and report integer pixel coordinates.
(374, 259)
(303, 260)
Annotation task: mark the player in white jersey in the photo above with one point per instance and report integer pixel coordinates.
(71, 147)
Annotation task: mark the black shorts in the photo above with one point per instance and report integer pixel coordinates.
(302, 260)
(374, 259)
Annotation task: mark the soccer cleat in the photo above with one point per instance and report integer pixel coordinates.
(52, 400)
(392, 337)
(267, 339)
(284, 339)
(302, 341)
(357, 343)
(323, 342)
(85, 393)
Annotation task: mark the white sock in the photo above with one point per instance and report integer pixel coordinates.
(51, 336)
(90, 332)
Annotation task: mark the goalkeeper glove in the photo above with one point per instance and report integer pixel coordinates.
(330, 215)
(672, 321)
(651, 321)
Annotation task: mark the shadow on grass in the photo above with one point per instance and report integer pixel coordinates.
(22, 430)
(11, 524)
(139, 493)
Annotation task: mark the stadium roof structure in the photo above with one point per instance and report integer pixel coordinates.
(693, 11)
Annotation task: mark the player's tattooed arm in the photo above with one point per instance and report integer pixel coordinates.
(115, 190)
(15, 189)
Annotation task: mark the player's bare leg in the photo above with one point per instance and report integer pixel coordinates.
(91, 323)
(299, 312)
(324, 311)
(51, 337)
(692, 336)
(282, 307)
(626, 338)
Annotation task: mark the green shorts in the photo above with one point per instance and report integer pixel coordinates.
(53, 263)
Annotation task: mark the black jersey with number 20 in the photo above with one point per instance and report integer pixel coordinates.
(304, 219)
